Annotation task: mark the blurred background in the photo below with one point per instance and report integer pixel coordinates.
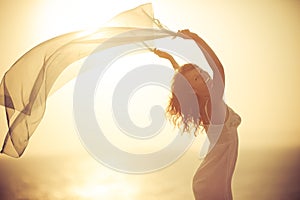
(258, 44)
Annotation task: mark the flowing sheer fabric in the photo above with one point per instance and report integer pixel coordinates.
(26, 85)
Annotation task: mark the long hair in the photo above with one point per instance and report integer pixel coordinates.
(183, 108)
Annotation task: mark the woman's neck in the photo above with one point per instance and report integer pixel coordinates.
(203, 100)
(203, 104)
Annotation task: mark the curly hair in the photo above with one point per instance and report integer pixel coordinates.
(183, 108)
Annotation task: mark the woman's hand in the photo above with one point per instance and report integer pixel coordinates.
(162, 54)
(187, 34)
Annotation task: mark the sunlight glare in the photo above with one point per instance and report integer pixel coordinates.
(93, 191)
(83, 14)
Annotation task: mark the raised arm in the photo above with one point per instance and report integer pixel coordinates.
(212, 59)
(165, 55)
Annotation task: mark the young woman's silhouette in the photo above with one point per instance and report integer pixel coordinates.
(213, 177)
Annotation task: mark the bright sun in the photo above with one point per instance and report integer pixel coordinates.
(83, 14)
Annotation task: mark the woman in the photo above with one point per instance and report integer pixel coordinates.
(213, 177)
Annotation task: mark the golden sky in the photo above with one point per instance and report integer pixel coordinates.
(257, 42)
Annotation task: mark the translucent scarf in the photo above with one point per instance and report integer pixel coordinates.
(26, 85)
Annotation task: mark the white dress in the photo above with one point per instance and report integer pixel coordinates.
(212, 180)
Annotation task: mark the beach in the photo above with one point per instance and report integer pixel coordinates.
(262, 173)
